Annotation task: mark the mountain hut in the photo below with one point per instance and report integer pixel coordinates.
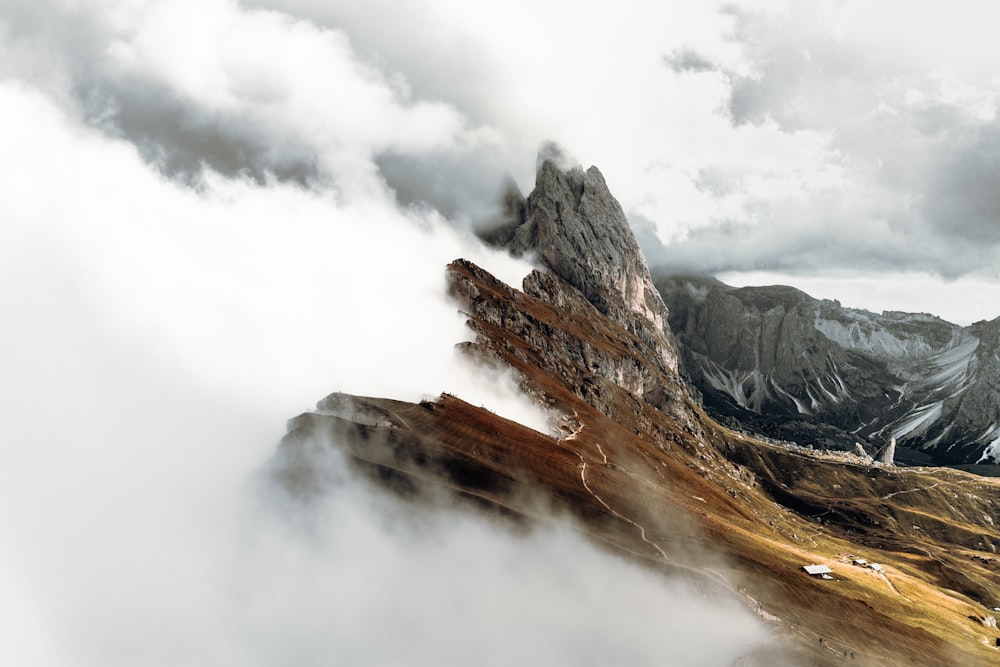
(818, 571)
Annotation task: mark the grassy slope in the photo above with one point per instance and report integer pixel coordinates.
(685, 495)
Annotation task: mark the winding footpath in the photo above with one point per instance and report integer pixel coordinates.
(642, 531)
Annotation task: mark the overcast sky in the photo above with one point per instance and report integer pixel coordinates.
(214, 213)
(847, 147)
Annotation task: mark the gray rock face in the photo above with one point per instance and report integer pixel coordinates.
(783, 363)
(968, 401)
(772, 359)
(570, 341)
(574, 226)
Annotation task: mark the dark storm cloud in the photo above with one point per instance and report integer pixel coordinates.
(735, 246)
(466, 187)
(66, 50)
(964, 197)
(181, 139)
(243, 93)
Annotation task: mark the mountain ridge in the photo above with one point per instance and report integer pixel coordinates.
(643, 471)
(575, 227)
(872, 377)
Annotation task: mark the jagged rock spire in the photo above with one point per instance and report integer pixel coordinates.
(573, 225)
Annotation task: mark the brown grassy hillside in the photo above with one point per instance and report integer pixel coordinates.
(642, 470)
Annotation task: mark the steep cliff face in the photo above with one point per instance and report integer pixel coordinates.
(794, 367)
(967, 398)
(574, 226)
(760, 347)
(557, 333)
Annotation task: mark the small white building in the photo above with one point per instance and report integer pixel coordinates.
(821, 571)
(877, 567)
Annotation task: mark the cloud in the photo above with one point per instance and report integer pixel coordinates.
(452, 589)
(157, 339)
(687, 59)
(909, 292)
(594, 81)
(464, 187)
(672, 107)
(779, 136)
(251, 92)
(213, 279)
(963, 199)
(811, 125)
(148, 541)
(907, 128)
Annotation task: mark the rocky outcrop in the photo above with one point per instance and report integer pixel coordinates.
(888, 453)
(781, 363)
(574, 226)
(546, 330)
(770, 359)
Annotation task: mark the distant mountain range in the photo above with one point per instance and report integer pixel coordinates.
(778, 362)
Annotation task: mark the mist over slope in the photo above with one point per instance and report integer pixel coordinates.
(156, 340)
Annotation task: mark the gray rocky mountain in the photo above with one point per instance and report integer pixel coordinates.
(779, 362)
(573, 226)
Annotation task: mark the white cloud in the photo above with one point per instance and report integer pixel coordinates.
(238, 284)
(846, 116)
(777, 151)
(810, 125)
(258, 92)
(909, 292)
(156, 340)
(594, 80)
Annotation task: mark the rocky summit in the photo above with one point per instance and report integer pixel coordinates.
(575, 227)
(902, 562)
(780, 363)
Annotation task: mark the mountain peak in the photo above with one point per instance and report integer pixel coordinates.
(552, 152)
(573, 224)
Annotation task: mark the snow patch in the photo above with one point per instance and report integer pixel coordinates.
(833, 397)
(918, 419)
(871, 337)
(799, 405)
(952, 366)
(992, 452)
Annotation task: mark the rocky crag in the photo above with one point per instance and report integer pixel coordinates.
(574, 226)
(778, 362)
